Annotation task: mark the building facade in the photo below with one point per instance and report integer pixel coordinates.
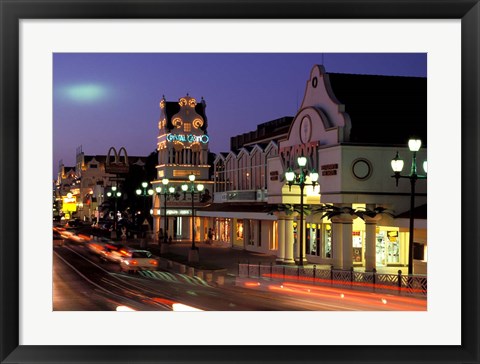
(182, 145)
(349, 127)
(88, 182)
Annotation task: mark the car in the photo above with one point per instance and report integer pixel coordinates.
(138, 260)
(74, 223)
(114, 252)
(95, 247)
(80, 238)
(58, 239)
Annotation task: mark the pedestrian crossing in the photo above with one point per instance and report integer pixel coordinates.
(173, 277)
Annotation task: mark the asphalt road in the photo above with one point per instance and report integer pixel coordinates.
(82, 282)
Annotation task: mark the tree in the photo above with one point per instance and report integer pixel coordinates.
(330, 211)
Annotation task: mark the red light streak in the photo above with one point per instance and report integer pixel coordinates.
(342, 283)
(393, 302)
(252, 284)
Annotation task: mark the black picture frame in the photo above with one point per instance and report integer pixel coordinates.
(12, 11)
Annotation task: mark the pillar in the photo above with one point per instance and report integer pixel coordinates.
(298, 242)
(289, 240)
(156, 224)
(371, 242)
(347, 246)
(337, 233)
(281, 239)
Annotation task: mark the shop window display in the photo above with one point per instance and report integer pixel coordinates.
(393, 247)
(222, 230)
(314, 233)
(327, 240)
(357, 246)
(239, 230)
(388, 247)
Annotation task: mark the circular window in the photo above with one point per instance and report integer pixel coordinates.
(361, 169)
(314, 82)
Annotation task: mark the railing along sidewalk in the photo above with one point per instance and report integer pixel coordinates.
(368, 281)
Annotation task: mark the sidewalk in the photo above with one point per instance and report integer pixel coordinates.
(217, 254)
(224, 256)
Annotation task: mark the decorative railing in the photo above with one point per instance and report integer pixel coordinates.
(399, 283)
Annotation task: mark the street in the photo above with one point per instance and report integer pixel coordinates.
(84, 282)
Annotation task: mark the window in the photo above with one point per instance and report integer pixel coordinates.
(93, 166)
(327, 241)
(239, 230)
(187, 127)
(141, 254)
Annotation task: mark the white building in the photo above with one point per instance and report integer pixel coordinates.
(349, 127)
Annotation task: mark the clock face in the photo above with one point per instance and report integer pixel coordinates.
(305, 130)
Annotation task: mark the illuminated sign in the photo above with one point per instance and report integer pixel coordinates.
(188, 138)
(179, 212)
(289, 154)
(69, 203)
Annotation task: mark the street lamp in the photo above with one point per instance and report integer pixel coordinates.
(143, 192)
(299, 180)
(193, 189)
(165, 191)
(397, 166)
(113, 193)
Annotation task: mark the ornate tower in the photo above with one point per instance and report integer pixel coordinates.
(183, 140)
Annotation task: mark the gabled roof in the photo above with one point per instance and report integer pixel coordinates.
(383, 109)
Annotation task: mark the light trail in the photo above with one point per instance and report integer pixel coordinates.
(379, 300)
(341, 283)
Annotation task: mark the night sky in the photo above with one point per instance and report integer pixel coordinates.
(104, 100)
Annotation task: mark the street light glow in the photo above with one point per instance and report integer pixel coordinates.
(414, 145)
(397, 164)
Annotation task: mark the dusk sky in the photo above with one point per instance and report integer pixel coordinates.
(104, 100)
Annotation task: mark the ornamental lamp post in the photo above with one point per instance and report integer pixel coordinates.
(397, 166)
(143, 192)
(300, 180)
(165, 191)
(113, 193)
(193, 189)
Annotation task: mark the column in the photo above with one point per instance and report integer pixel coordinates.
(281, 239)
(347, 246)
(289, 240)
(156, 224)
(337, 233)
(298, 242)
(371, 242)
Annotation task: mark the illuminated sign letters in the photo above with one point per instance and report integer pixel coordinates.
(289, 154)
(188, 138)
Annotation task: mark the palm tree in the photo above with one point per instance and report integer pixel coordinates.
(330, 211)
(288, 209)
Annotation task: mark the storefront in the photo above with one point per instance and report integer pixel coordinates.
(222, 230)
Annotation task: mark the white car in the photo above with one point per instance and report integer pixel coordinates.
(139, 260)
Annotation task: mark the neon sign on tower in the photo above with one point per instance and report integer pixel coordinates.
(189, 138)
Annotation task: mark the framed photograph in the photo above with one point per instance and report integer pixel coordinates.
(45, 44)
